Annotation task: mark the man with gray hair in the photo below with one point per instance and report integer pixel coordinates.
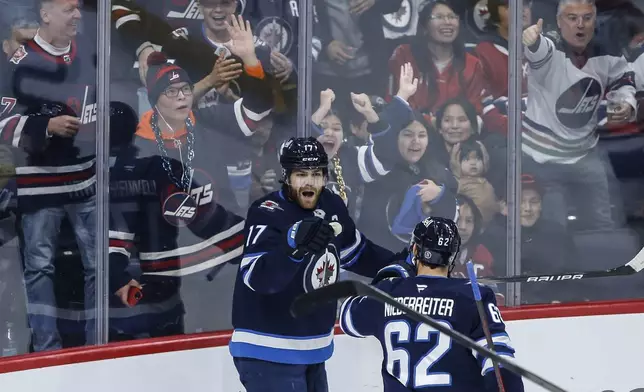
(569, 76)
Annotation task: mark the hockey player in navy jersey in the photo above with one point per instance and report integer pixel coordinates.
(297, 239)
(417, 357)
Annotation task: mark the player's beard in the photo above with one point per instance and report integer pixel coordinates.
(306, 197)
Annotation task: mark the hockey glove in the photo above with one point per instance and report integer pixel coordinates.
(311, 235)
(402, 267)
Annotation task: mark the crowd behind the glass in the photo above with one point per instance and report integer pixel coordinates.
(414, 124)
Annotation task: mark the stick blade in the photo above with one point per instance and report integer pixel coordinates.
(637, 264)
(305, 303)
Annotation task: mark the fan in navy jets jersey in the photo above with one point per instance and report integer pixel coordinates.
(49, 111)
(569, 75)
(416, 356)
(48, 115)
(197, 46)
(171, 201)
(297, 239)
(276, 23)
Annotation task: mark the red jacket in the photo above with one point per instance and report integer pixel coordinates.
(493, 55)
(448, 86)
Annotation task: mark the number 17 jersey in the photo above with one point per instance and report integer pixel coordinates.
(416, 357)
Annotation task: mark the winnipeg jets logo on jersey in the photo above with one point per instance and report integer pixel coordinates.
(480, 15)
(192, 11)
(319, 213)
(271, 206)
(183, 208)
(322, 269)
(88, 111)
(179, 209)
(577, 105)
(402, 21)
(276, 33)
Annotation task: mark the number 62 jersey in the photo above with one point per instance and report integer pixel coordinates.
(416, 356)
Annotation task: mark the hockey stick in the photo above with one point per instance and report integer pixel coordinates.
(486, 328)
(632, 267)
(305, 303)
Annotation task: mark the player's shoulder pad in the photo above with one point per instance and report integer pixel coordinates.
(19, 55)
(487, 293)
(389, 284)
(466, 286)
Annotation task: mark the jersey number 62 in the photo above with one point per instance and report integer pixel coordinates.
(420, 375)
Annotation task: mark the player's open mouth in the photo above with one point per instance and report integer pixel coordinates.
(328, 144)
(308, 194)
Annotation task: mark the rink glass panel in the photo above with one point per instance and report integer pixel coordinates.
(48, 279)
(205, 305)
(188, 280)
(583, 215)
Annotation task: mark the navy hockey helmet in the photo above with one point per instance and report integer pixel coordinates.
(437, 241)
(303, 153)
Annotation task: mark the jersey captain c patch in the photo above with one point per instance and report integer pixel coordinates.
(577, 105)
(322, 270)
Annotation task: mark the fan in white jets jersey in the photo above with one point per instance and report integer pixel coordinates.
(568, 78)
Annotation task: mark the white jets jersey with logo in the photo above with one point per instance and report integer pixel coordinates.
(563, 100)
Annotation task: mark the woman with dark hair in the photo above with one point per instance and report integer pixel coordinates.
(416, 187)
(350, 167)
(455, 122)
(439, 60)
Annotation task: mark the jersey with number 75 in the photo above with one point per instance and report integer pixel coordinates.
(417, 357)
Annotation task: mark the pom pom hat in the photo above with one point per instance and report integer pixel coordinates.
(161, 75)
